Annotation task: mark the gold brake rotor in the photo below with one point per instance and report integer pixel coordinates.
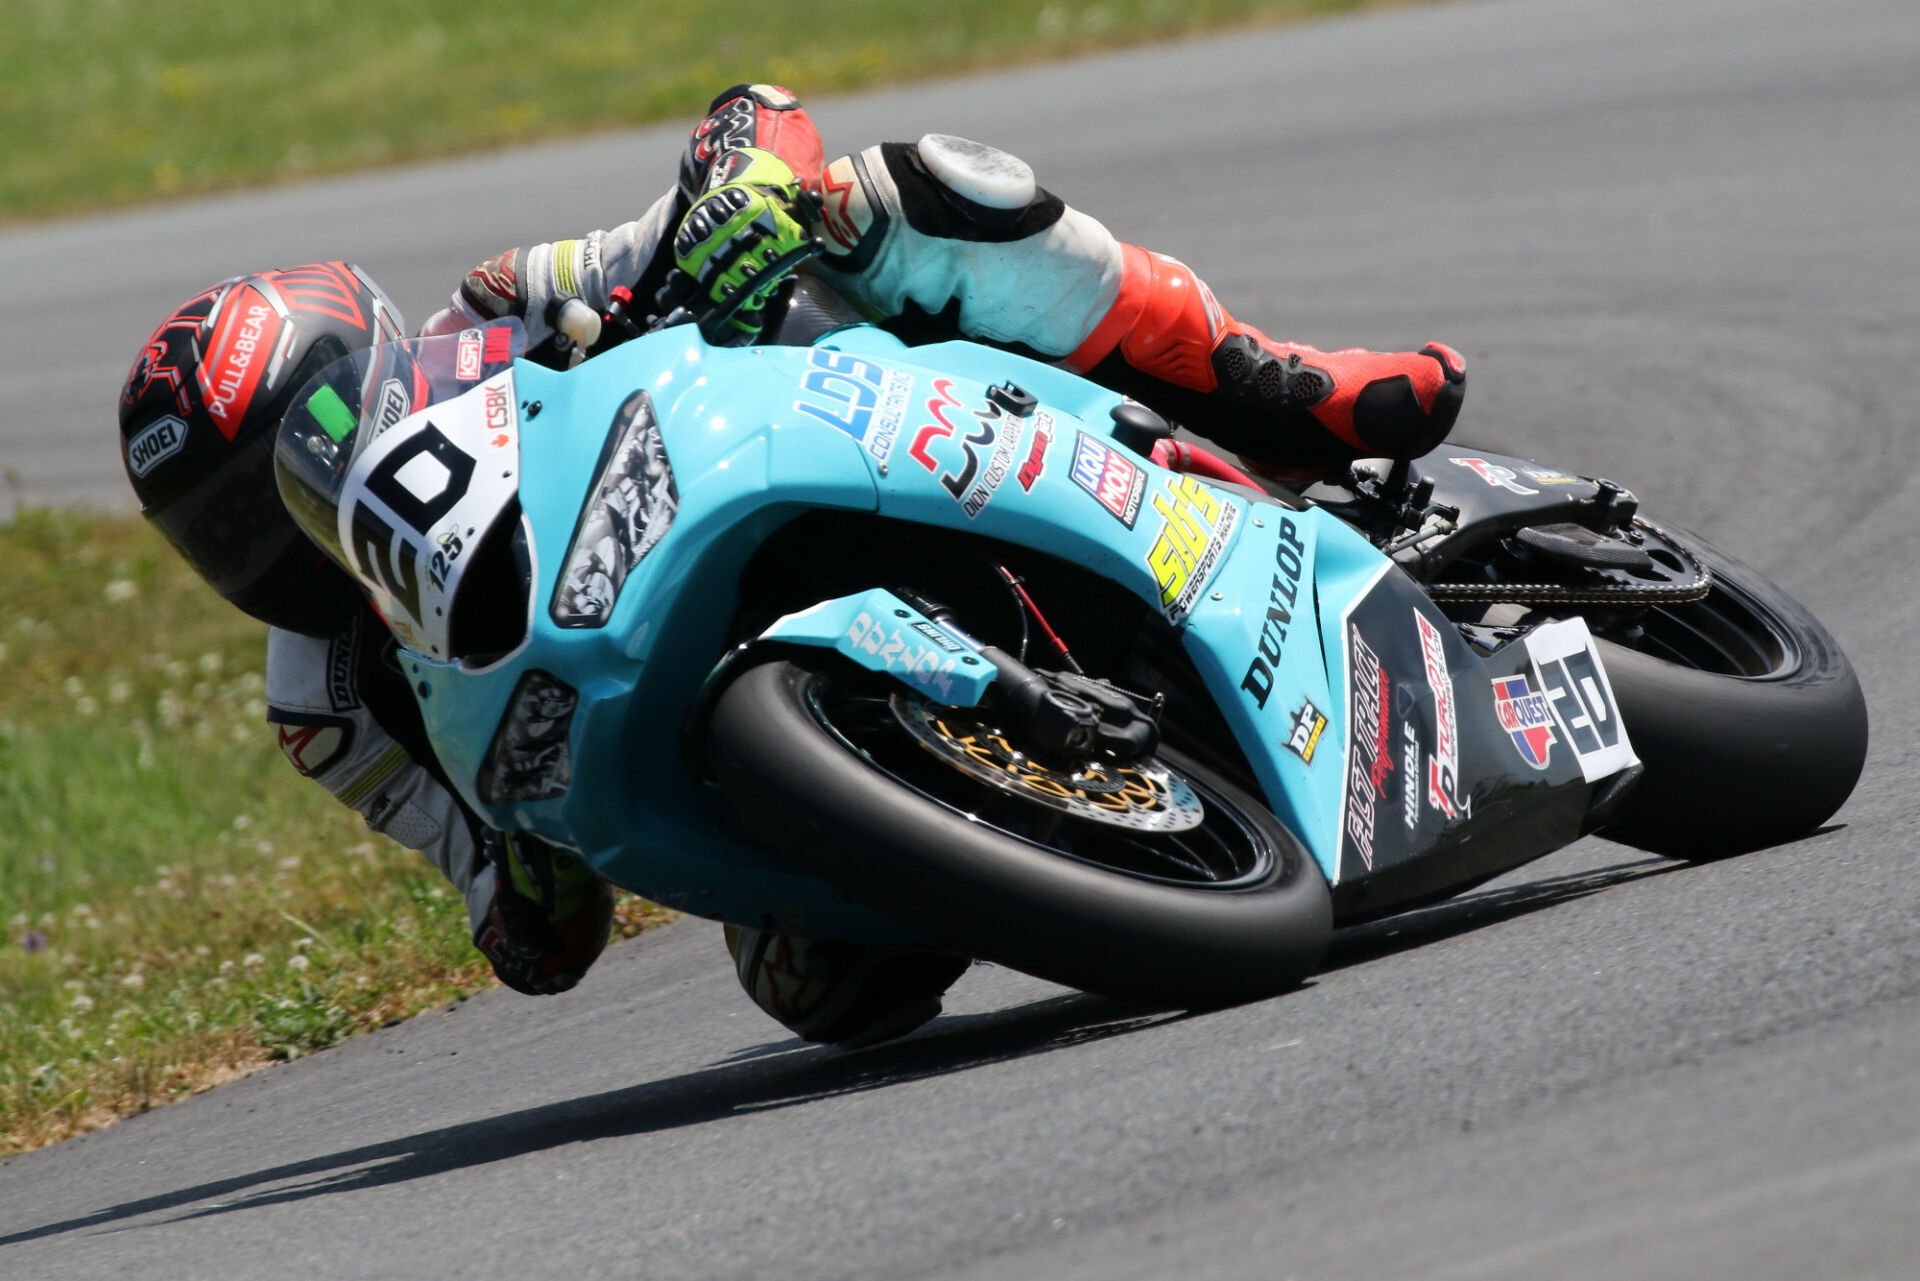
(1145, 796)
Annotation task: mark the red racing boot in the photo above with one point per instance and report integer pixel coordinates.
(1288, 410)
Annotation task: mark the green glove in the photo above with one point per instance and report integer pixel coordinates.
(735, 230)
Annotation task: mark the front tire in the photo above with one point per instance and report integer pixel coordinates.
(810, 759)
(1746, 713)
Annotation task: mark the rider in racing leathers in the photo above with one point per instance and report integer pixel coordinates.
(937, 239)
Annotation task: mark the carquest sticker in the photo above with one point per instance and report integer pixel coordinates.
(1523, 714)
(1196, 525)
(1569, 675)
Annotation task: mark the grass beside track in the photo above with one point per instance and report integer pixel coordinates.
(177, 906)
(109, 102)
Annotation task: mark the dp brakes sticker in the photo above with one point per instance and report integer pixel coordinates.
(1568, 676)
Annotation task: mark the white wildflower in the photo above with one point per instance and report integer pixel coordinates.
(82, 1002)
(121, 589)
(253, 960)
(298, 963)
(134, 981)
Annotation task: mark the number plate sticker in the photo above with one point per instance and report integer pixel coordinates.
(421, 494)
(1568, 672)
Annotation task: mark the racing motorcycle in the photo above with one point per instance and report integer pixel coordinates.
(942, 647)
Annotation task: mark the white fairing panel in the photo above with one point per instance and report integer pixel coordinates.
(420, 496)
(1567, 669)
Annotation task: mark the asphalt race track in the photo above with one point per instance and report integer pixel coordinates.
(1678, 245)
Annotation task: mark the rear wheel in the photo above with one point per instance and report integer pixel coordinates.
(1160, 882)
(1746, 713)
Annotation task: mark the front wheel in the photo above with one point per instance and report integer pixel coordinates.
(1746, 713)
(1165, 884)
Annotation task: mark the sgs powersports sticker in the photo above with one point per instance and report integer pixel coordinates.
(1572, 683)
(1196, 524)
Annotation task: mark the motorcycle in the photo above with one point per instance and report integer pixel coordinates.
(943, 647)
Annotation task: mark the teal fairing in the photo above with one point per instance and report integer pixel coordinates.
(953, 436)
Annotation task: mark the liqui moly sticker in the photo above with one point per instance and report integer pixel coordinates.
(1110, 476)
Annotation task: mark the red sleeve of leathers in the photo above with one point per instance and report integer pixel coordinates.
(764, 116)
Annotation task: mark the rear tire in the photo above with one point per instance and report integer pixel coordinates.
(823, 782)
(1746, 713)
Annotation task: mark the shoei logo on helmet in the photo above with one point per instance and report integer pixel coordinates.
(157, 442)
(238, 354)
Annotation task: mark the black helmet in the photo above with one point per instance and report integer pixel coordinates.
(198, 417)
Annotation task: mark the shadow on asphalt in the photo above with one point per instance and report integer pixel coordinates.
(778, 1075)
(1456, 916)
(789, 1072)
